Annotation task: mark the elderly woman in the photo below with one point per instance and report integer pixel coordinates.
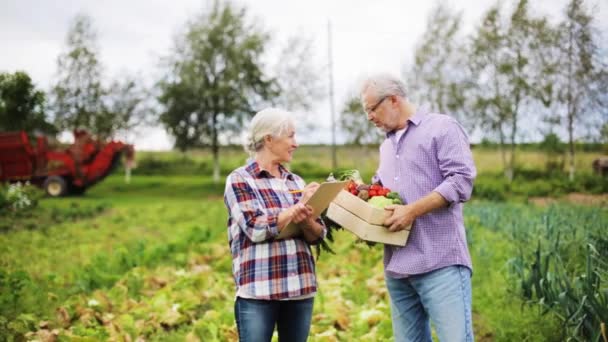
(275, 278)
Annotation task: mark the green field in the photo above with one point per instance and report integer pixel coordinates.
(150, 259)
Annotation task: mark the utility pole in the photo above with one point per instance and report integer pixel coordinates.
(334, 161)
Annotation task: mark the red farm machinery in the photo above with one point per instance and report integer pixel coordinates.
(60, 172)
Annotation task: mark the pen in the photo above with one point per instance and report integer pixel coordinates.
(295, 191)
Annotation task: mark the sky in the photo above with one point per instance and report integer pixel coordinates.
(367, 37)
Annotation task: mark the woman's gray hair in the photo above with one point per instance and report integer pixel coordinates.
(384, 85)
(270, 121)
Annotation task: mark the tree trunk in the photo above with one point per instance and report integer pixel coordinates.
(503, 153)
(571, 107)
(216, 152)
(511, 170)
(571, 168)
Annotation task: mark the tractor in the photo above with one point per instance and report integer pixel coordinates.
(60, 172)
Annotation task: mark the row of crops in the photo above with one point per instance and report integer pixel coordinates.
(141, 264)
(561, 261)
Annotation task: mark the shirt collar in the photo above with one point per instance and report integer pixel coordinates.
(414, 119)
(417, 117)
(255, 170)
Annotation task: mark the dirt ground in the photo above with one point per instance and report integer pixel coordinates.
(600, 200)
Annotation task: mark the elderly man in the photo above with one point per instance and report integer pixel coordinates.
(426, 158)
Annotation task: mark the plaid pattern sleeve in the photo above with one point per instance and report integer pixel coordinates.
(265, 268)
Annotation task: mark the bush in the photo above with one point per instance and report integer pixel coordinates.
(179, 166)
(491, 188)
(533, 183)
(309, 170)
(18, 197)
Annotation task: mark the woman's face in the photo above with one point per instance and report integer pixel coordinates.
(282, 147)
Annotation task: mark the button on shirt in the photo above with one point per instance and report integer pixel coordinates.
(432, 154)
(265, 268)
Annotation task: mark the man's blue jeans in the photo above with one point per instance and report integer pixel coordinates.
(256, 319)
(443, 296)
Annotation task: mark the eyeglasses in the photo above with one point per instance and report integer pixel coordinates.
(374, 107)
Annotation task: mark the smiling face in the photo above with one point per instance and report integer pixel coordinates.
(281, 147)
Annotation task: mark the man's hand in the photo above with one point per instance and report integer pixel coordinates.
(403, 216)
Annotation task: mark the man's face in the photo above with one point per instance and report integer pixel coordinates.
(380, 110)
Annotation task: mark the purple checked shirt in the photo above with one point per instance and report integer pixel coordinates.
(433, 154)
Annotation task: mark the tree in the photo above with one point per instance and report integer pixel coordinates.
(22, 106)
(81, 100)
(506, 57)
(583, 78)
(487, 53)
(554, 150)
(297, 75)
(524, 41)
(125, 106)
(439, 75)
(604, 133)
(299, 80)
(216, 79)
(78, 92)
(358, 129)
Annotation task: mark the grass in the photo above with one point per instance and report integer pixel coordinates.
(487, 160)
(157, 264)
(151, 259)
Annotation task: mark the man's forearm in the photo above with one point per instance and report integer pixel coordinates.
(429, 203)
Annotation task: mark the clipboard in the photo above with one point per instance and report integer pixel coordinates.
(319, 201)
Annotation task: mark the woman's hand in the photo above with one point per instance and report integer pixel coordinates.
(311, 229)
(308, 191)
(301, 212)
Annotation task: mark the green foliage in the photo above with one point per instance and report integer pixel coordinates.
(508, 60)
(490, 187)
(439, 77)
(215, 79)
(18, 197)
(77, 94)
(79, 97)
(22, 106)
(309, 170)
(17, 202)
(179, 166)
(554, 149)
(150, 259)
(499, 312)
(19, 209)
(581, 74)
(354, 123)
(552, 144)
(534, 182)
(299, 79)
(563, 272)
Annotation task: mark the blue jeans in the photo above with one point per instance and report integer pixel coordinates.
(443, 296)
(255, 319)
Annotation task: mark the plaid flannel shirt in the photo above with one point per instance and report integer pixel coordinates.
(265, 268)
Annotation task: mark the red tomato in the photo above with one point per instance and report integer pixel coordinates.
(373, 193)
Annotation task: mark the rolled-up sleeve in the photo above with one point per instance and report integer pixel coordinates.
(455, 163)
(247, 211)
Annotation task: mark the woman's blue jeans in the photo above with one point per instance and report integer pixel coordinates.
(256, 319)
(443, 296)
